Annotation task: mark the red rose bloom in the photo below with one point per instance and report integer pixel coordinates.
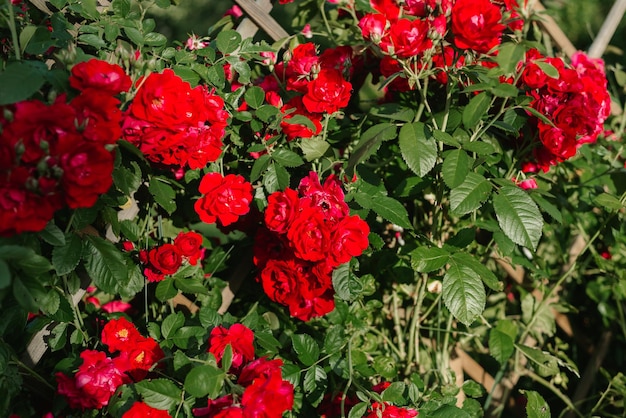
(477, 25)
(327, 93)
(139, 357)
(173, 124)
(309, 235)
(96, 380)
(225, 198)
(296, 130)
(162, 260)
(282, 208)
(98, 116)
(100, 75)
(386, 410)
(119, 334)
(189, 245)
(267, 395)
(349, 238)
(141, 410)
(87, 172)
(373, 27)
(281, 280)
(239, 337)
(298, 70)
(328, 199)
(407, 38)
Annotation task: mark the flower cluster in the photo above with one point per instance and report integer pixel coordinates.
(99, 375)
(307, 234)
(318, 85)
(167, 258)
(575, 102)
(173, 124)
(58, 155)
(262, 392)
(429, 31)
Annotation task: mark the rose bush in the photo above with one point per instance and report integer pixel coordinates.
(363, 219)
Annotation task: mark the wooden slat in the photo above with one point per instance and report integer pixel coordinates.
(262, 19)
(608, 29)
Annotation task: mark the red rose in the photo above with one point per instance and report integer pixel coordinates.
(269, 245)
(239, 337)
(329, 198)
(349, 239)
(100, 75)
(373, 27)
(390, 67)
(298, 70)
(141, 410)
(225, 198)
(98, 116)
(327, 93)
(87, 172)
(385, 410)
(477, 25)
(407, 38)
(139, 357)
(189, 245)
(309, 236)
(119, 334)
(281, 280)
(282, 208)
(162, 260)
(296, 130)
(96, 380)
(173, 124)
(389, 9)
(267, 395)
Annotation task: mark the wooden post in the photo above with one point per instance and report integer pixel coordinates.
(607, 30)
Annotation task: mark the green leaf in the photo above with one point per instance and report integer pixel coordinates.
(428, 259)
(163, 194)
(463, 292)
(204, 380)
(19, 81)
(358, 410)
(509, 55)
(228, 41)
(394, 393)
(276, 178)
(259, 166)
(315, 383)
(93, 40)
(134, 35)
(127, 179)
(105, 265)
(549, 208)
(536, 407)
(369, 143)
(121, 7)
(544, 363)
(505, 90)
(187, 74)
(183, 335)
(518, 216)
(287, 158)
(25, 292)
(159, 393)
(456, 167)
(502, 340)
(346, 286)
(386, 366)
(171, 324)
(549, 69)
(470, 195)
(608, 201)
(487, 276)
(476, 109)
(191, 285)
(216, 76)
(5, 274)
(254, 96)
(387, 207)
(473, 389)
(165, 289)
(449, 411)
(53, 235)
(306, 348)
(419, 150)
(155, 39)
(65, 258)
(314, 148)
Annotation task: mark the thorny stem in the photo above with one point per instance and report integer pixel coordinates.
(10, 19)
(413, 353)
(33, 373)
(397, 327)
